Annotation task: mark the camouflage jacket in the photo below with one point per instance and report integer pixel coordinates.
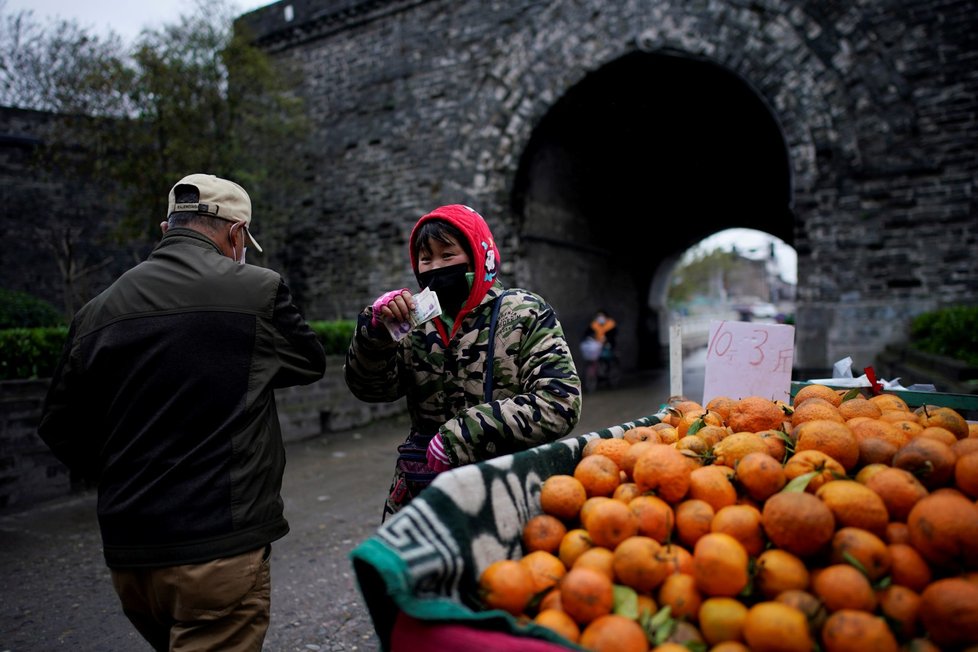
(536, 395)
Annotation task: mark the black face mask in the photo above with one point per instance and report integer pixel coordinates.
(450, 284)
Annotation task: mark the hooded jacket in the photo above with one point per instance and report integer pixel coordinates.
(536, 394)
(164, 397)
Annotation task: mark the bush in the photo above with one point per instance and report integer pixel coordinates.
(34, 352)
(30, 352)
(23, 310)
(335, 335)
(951, 332)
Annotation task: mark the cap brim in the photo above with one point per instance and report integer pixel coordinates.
(253, 241)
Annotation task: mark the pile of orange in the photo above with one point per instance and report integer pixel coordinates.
(838, 522)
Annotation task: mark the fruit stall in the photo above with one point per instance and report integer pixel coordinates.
(768, 512)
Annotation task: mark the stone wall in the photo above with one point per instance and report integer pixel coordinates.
(30, 474)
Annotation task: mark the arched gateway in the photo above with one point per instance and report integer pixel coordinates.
(603, 139)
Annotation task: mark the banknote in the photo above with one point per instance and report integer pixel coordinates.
(426, 308)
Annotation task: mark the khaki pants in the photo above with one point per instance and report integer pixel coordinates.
(218, 605)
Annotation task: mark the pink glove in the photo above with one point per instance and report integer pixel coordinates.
(437, 458)
(382, 301)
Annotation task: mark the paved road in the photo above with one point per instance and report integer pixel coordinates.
(57, 593)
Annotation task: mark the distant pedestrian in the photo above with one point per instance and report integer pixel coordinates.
(164, 398)
(444, 366)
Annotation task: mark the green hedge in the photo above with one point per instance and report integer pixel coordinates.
(951, 332)
(34, 352)
(23, 310)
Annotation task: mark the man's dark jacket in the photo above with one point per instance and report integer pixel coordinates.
(164, 397)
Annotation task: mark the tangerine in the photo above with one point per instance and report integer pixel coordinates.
(636, 563)
(656, 517)
(754, 414)
(610, 523)
(599, 474)
(843, 586)
(586, 594)
(944, 529)
(693, 518)
(797, 522)
(949, 612)
(614, 633)
(720, 565)
(776, 627)
(664, 470)
(777, 571)
(854, 504)
(722, 619)
(760, 475)
(562, 496)
(558, 621)
(546, 568)
(851, 630)
(506, 584)
(543, 532)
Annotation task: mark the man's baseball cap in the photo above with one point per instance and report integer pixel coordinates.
(218, 198)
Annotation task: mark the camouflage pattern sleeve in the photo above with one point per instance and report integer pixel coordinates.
(536, 388)
(371, 368)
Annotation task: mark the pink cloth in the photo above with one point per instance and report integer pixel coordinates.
(412, 635)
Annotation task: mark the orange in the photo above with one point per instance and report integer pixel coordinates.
(797, 522)
(777, 571)
(859, 407)
(722, 619)
(610, 523)
(721, 405)
(634, 452)
(663, 470)
(777, 443)
(588, 508)
(676, 558)
(866, 472)
(850, 630)
(546, 568)
(682, 405)
(931, 461)
(843, 586)
(760, 475)
(733, 448)
(868, 550)
(599, 559)
(693, 445)
(965, 446)
(678, 592)
(835, 439)
(909, 427)
(864, 428)
(599, 474)
(899, 489)
(816, 390)
(754, 414)
(614, 633)
(855, 505)
(711, 435)
(656, 518)
(943, 417)
(966, 474)
(776, 627)
(562, 496)
(889, 402)
(873, 450)
(636, 563)
(550, 600)
(543, 532)
(558, 621)
(693, 518)
(506, 584)
(805, 462)
(940, 434)
(813, 409)
(573, 545)
(640, 433)
(901, 608)
(626, 491)
(807, 603)
(949, 612)
(720, 565)
(908, 567)
(713, 484)
(944, 530)
(612, 448)
(586, 594)
(667, 433)
(742, 522)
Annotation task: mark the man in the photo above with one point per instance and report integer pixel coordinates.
(164, 398)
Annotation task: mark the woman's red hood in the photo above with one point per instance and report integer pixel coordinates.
(485, 256)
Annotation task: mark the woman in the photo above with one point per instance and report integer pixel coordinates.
(441, 365)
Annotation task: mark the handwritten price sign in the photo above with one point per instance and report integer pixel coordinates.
(749, 359)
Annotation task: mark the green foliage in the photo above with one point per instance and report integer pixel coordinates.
(30, 352)
(335, 335)
(34, 352)
(951, 332)
(697, 276)
(23, 310)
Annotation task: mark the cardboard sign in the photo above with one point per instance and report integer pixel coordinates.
(749, 359)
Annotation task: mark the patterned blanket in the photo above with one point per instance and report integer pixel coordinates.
(426, 560)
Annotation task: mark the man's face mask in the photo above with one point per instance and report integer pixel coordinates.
(450, 284)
